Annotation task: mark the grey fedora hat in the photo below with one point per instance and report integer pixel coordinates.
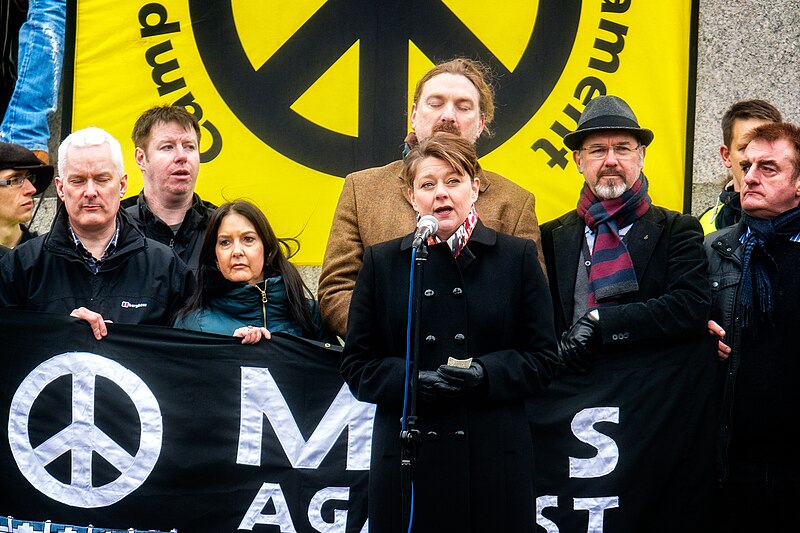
(606, 113)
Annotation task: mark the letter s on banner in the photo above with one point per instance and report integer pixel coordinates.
(607, 450)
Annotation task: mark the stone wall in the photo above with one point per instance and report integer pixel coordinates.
(746, 49)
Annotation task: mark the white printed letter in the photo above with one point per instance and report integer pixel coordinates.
(261, 396)
(607, 451)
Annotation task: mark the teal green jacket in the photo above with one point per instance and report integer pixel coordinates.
(243, 306)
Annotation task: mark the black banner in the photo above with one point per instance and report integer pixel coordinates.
(628, 446)
(156, 428)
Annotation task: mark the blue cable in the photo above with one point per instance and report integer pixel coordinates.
(408, 367)
(408, 334)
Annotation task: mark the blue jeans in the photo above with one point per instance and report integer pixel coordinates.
(35, 97)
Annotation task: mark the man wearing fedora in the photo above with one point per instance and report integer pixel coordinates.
(624, 273)
(22, 175)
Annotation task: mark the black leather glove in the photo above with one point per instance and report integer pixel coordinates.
(432, 386)
(464, 378)
(577, 345)
(572, 358)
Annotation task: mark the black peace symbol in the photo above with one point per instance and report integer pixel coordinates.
(261, 97)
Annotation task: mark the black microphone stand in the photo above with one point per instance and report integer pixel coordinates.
(411, 437)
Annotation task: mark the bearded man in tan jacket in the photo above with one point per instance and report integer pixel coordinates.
(374, 207)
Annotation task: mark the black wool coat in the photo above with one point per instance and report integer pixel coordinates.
(674, 296)
(474, 471)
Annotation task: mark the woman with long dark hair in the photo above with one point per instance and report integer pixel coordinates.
(246, 285)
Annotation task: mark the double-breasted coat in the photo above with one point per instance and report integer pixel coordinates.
(474, 471)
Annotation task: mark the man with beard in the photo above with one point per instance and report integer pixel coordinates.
(630, 302)
(453, 97)
(623, 272)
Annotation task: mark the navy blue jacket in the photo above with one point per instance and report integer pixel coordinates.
(142, 282)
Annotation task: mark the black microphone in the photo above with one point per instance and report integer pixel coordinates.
(427, 226)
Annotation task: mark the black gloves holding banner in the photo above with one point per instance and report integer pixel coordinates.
(577, 345)
(450, 381)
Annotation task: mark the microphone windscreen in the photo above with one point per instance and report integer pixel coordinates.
(429, 221)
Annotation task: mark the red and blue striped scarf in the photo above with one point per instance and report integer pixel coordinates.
(612, 272)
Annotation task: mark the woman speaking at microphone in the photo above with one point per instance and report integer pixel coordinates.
(486, 343)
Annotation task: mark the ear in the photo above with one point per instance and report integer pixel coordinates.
(60, 188)
(725, 154)
(410, 194)
(480, 128)
(413, 115)
(123, 185)
(476, 187)
(576, 156)
(141, 158)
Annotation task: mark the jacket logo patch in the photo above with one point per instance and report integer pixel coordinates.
(127, 305)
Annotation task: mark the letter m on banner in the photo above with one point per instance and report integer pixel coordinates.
(261, 396)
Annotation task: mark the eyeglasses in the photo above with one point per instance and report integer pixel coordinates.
(17, 180)
(621, 151)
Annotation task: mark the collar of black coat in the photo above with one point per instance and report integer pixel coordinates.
(200, 209)
(727, 241)
(59, 241)
(480, 235)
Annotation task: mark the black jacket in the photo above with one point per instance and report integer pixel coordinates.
(673, 299)
(143, 282)
(724, 274)
(189, 238)
(26, 236)
(474, 471)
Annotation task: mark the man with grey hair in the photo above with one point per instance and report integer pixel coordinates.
(630, 303)
(624, 273)
(94, 264)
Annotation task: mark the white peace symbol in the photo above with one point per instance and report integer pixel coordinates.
(82, 437)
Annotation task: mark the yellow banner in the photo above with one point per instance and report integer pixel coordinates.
(291, 96)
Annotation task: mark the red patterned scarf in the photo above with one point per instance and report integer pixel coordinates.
(458, 240)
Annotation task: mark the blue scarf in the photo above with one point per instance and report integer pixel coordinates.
(759, 271)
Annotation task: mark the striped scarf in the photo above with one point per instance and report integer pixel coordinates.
(759, 270)
(612, 272)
